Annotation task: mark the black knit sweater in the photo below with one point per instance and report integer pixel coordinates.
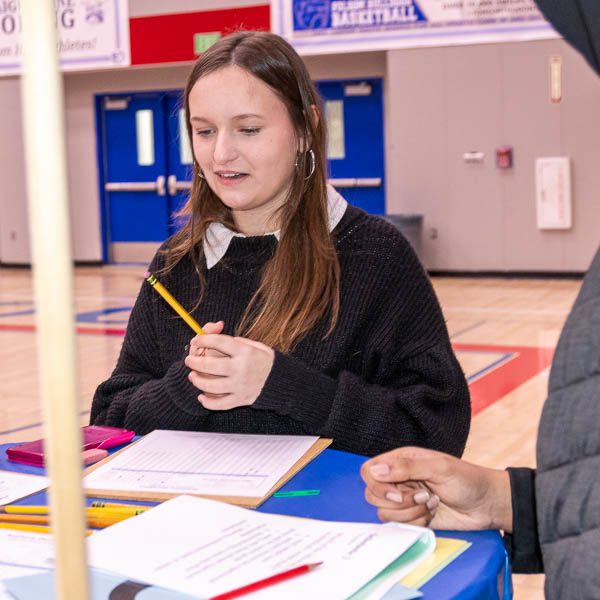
(385, 377)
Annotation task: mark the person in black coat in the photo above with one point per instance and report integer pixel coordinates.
(550, 517)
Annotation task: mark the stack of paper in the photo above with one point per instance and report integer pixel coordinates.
(201, 547)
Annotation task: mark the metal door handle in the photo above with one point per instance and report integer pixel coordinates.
(356, 182)
(137, 186)
(175, 186)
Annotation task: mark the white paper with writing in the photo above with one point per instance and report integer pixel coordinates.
(24, 553)
(18, 485)
(198, 546)
(220, 464)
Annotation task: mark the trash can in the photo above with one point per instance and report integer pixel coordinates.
(410, 226)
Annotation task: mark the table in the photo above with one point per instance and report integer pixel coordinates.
(482, 572)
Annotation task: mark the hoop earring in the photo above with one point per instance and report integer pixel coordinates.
(313, 164)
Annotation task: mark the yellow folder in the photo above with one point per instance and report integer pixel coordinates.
(446, 550)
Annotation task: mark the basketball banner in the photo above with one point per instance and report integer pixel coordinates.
(328, 26)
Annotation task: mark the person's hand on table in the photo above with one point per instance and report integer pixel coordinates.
(429, 488)
(229, 371)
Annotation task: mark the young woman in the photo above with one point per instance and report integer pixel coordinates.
(319, 317)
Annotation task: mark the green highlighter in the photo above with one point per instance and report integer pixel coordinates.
(295, 493)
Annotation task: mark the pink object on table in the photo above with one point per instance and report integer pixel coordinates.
(94, 455)
(93, 437)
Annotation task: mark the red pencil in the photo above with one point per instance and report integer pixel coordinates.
(257, 585)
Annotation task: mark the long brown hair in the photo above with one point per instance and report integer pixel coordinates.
(300, 284)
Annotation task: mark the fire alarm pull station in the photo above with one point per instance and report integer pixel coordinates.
(504, 157)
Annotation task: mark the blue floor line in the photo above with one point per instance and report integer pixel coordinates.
(491, 366)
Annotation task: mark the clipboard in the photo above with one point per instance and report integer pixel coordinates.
(244, 501)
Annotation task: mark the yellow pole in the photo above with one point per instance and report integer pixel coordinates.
(44, 128)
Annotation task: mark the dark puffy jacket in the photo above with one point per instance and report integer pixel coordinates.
(568, 454)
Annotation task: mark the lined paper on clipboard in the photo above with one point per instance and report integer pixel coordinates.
(241, 469)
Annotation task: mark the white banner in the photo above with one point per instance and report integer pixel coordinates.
(92, 34)
(328, 26)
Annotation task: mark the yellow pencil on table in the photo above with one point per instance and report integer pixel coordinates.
(162, 290)
(117, 510)
(93, 520)
(19, 509)
(97, 509)
(136, 508)
(33, 528)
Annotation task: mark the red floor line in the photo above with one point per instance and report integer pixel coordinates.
(496, 384)
(4, 327)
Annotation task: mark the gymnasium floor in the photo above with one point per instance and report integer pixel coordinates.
(503, 330)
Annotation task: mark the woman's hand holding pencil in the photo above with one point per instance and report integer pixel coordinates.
(232, 373)
(229, 371)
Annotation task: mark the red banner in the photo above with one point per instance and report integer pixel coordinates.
(170, 38)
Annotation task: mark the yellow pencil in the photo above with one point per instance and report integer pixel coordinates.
(98, 509)
(106, 521)
(138, 508)
(34, 528)
(22, 509)
(107, 511)
(93, 520)
(151, 279)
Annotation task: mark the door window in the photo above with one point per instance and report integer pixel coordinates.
(334, 115)
(144, 133)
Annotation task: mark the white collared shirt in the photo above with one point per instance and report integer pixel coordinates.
(218, 236)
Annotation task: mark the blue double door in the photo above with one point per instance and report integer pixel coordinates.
(145, 161)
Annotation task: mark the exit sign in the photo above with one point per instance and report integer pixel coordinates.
(203, 41)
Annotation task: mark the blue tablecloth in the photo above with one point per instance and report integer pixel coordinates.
(482, 572)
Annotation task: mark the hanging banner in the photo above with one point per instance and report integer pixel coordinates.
(334, 26)
(92, 34)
